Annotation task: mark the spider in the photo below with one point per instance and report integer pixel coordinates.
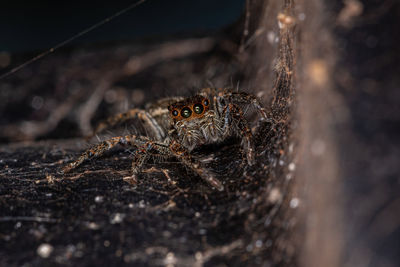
(176, 126)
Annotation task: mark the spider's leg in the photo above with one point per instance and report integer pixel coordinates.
(227, 120)
(183, 155)
(152, 126)
(142, 153)
(116, 119)
(207, 91)
(149, 123)
(245, 98)
(163, 103)
(138, 160)
(244, 128)
(104, 146)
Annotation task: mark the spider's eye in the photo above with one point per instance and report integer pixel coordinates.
(198, 108)
(175, 113)
(186, 112)
(205, 102)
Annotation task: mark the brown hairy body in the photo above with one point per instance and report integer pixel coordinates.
(176, 126)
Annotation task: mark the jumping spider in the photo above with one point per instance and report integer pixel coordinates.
(177, 125)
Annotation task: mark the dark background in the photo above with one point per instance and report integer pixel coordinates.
(27, 25)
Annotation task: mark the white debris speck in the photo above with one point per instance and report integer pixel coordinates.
(208, 159)
(117, 218)
(170, 259)
(259, 243)
(292, 166)
(291, 147)
(131, 206)
(18, 225)
(294, 203)
(275, 195)
(271, 37)
(198, 256)
(106, 243)
(142, 204)
(197, 214)
(281, 162)
(318, 147)
(260, 94)
(93, 226)
(99, 199)
(44, 250)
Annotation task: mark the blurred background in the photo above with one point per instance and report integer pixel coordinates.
(26, 26)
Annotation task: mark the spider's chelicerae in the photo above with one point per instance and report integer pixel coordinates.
(176, 126)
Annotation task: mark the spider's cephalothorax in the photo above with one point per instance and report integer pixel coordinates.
(196, 122)
(177, 125)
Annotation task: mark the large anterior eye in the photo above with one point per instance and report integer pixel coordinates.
(198, 108)
(186, 112)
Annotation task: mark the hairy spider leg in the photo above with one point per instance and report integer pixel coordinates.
(176, 150)
(148, 149)
(149, 123)
(104, 146)
(245, 98)
(164, 102)
(244, 128)
(183, 155)
(227, 113)
(144, 146)
(139, 158)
